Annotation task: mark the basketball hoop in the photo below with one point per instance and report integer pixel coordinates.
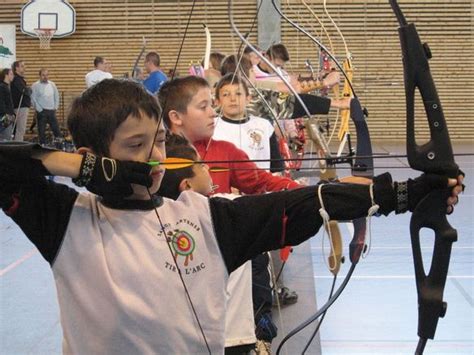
(45, 35)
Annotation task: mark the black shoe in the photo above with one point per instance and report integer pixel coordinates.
(285, 297)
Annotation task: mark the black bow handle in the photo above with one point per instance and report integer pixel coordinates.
(435, 156)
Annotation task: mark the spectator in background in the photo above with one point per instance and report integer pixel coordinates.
(250, 54)
(7, 115)
(213, 73)
(21, 95)
(45, 99)
(156, 77)
(101, 72)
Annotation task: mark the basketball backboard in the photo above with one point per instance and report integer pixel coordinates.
(58, 15)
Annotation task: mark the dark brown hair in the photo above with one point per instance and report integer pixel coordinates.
(100, 110)
(229, 65)
(231, 79)
(176, 147)
(278, 51)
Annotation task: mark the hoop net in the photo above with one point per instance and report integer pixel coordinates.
(45, 35)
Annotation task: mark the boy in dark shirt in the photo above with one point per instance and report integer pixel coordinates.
(133, 270)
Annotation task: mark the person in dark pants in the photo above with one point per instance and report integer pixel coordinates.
(45, 97)
(21, 95)
(7, 115)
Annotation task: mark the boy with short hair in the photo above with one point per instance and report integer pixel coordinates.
(115, 265)
(240, 328)
(253, 135)
(187, 106)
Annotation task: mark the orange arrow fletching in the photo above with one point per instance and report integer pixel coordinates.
(217, 169)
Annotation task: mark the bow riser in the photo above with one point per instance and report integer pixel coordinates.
(436, 156)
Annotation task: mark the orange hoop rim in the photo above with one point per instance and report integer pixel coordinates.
(45, 31)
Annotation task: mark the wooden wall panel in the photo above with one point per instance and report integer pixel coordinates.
(370, 30)
(114, 29)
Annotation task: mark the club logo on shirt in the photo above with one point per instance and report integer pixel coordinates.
(256, 139)
(183, 245)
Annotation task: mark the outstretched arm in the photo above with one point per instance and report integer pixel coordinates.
(250, 225)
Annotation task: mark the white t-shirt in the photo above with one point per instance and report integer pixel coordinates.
(252, 135)
(262, 75)
(239, 319)
(95, 76)
(103, 251)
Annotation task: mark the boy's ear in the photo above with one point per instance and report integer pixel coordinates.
(82, 150)
(184, 185)
(175, 118)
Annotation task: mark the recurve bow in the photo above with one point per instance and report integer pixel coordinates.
(435, 156)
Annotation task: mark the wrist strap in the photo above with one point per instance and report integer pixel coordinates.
(86, 170)
(401, 189)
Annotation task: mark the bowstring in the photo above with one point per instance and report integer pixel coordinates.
(163, 230)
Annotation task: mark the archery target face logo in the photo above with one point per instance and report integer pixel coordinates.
(183, 245)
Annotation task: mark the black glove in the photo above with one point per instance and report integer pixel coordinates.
(410, 193)
(112, 178)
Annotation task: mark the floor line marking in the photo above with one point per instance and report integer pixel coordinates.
(389, 277)
(18, 262)
(405, 247)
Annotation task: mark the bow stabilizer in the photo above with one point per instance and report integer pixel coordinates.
(435, 156)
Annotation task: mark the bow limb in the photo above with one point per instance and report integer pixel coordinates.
(323, 144)
(347, 65)
(315, 40)
(137, 61)
(207, 54)
(364, 168)
(435, 156)
(320, 23)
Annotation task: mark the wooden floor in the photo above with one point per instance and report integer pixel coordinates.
(376, 314)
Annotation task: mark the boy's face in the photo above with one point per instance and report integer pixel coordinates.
(232, 101)
(134, 139)
(197, 123)
(201, 182)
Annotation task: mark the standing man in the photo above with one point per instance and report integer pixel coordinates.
(21, 95)
(101, 72)
(156, 77)
(7, 115)
(45, 98)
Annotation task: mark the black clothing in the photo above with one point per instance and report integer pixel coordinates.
(19, 87)
(6, 103)
(315, 104)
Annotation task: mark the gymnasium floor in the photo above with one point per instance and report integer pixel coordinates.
(375, 314)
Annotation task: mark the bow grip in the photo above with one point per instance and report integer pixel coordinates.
(435, 156)
(431, 213)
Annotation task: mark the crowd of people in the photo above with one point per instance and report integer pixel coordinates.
(222, 222)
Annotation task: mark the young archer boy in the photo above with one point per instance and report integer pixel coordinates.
(115, 275)
(240, 337)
